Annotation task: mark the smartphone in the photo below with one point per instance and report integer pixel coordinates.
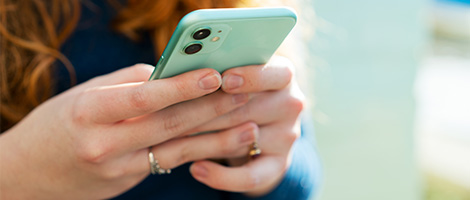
(224, 38)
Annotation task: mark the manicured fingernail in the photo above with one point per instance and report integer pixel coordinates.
(247, 136)
(240, 98)
(210, 81)
(231, 82)
(199, 171)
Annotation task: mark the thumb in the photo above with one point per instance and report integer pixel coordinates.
(253, 175)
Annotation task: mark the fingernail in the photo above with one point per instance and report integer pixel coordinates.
(240, 98)
(210, 81)
(231, 82)
(200, 171)
(247, 136)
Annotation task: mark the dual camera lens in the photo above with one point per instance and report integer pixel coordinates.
(201, 34)
(198, 35)
(193, 48)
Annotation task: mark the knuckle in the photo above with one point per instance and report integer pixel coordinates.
(296, 104)
(219, 103)
(80, 113)
(141, 70)
(287, 67)
(225, 145)
(79, 116)
(92, 151)
(140, 66)
(182, 91)
(219, 109)
(291, 136)
(173, 122)
(289, 73)
(139, 98)
(227, 148)
(285, 62)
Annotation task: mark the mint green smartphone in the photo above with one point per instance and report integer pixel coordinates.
(224, 38)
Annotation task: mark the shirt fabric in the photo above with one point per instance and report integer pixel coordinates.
(95, 49)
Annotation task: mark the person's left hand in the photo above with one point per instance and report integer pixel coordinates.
(275, 108)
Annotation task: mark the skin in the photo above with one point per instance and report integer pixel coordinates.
(91, 142)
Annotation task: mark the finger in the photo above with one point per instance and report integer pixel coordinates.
(252, 176)
(273, 140)
(225, 144)
(173, 121)
(272, 76)
(135, 73)
(265, 108)
(114, 103)
(176, 152)
(277, 139)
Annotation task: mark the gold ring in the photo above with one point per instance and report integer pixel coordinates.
(255, 151)
(155, 167)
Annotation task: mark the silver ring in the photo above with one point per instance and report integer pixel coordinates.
(155, 167)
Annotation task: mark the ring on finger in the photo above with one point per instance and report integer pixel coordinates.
(155, 167)
(255, 151)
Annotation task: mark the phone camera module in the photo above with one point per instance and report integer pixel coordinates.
(193, 48)
(201, 34)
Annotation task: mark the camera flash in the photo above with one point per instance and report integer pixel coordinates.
(215, 39)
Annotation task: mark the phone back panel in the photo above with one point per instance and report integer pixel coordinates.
(238, 37)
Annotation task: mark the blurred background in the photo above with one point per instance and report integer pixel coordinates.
(392, 98)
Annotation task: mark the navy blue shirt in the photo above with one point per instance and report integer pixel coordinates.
(94, 49)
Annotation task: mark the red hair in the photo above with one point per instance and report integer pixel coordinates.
(32, 31)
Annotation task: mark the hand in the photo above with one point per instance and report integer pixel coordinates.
(91, 142)
(275, 107)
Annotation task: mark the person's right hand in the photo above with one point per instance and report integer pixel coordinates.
(91, 142)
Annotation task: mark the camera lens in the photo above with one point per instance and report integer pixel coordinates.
(193, 48)
(201, 34)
